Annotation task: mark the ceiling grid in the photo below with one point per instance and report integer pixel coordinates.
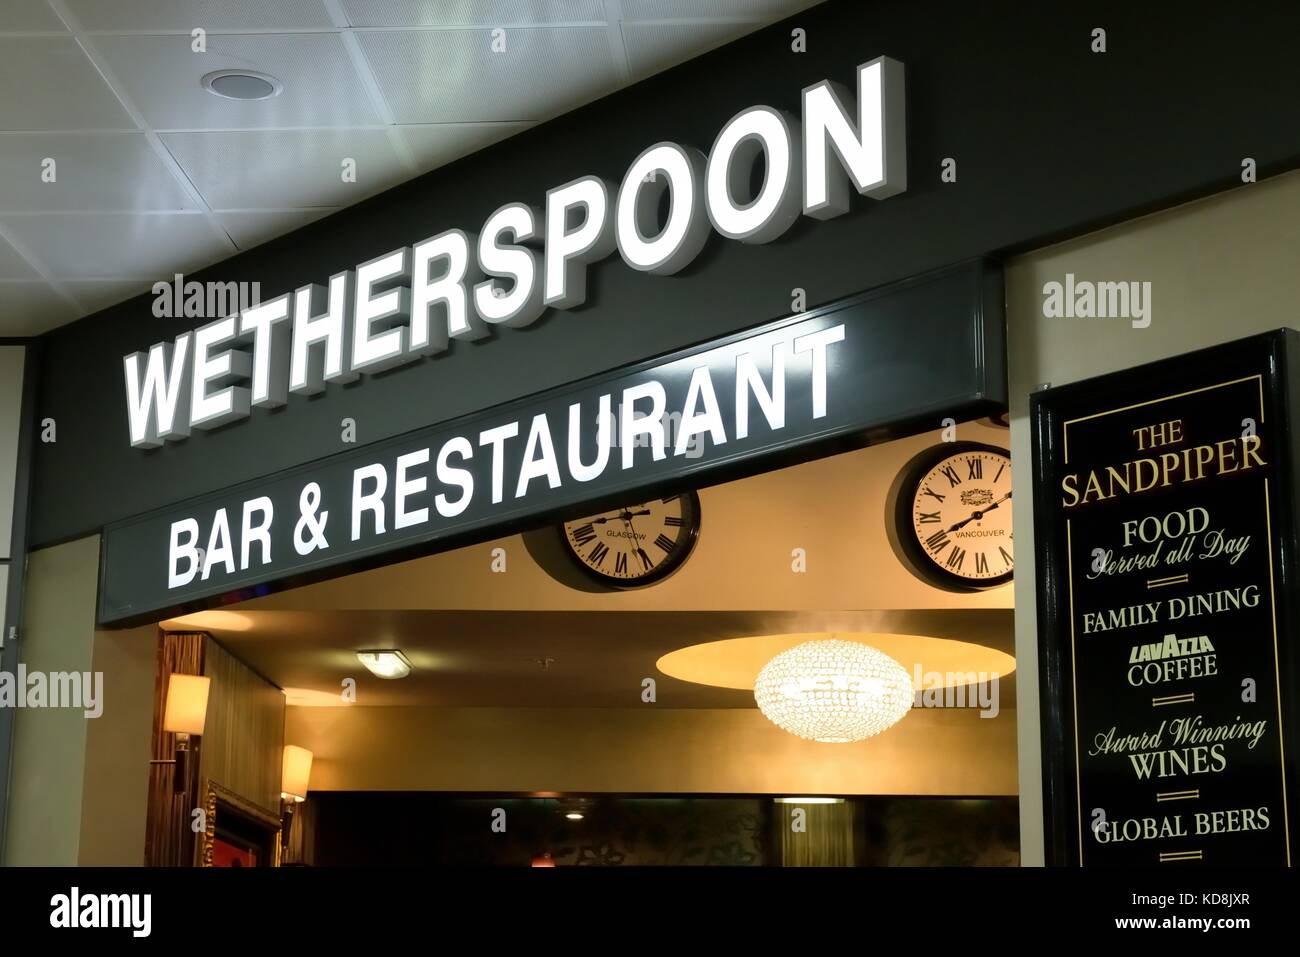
(155, 175)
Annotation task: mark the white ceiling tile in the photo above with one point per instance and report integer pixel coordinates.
(442, 13)
(97, 294)
(655, 47)
(432, 59)
(189, 14)
(438, 144)
(20, 16)
(278, 169)
(162, 77)
(93, 171)
(253, 228)
(30, 308)
(49, 84)
(764, 10)
(441, 76)
(119, 245)
(12, 265)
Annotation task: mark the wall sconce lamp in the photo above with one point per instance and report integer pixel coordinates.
(295, 775)
(185, 715)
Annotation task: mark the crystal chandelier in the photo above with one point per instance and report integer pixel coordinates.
(833, 691)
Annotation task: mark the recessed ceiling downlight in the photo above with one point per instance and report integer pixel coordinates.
(385, 663)
(242, 85)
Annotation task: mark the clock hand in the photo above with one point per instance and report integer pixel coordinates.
(997, 503)
(622, 516)
(636, 543)
(980, 514)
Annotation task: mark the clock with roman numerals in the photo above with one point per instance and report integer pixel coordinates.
(636, 545)
(953, 516)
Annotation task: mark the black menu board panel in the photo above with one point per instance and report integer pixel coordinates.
(1164, 501)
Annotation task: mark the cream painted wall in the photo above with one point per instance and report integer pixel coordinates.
(79, 785)
(116, 782)
(833, 508)
(1220, 269)
(44, 826)
(645, 750)
(12, 359)
(11, 403)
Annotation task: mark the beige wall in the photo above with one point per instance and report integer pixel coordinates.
(1220, 269)
(44, 825)
(11, 403)
(116, 779)
(80, 785)
(4, 590)
(645, 750)
(12, 359)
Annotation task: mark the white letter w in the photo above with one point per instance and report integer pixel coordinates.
(158, 407)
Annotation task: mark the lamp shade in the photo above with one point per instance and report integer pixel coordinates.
(296, 772)
(833, 691)
(187, 704)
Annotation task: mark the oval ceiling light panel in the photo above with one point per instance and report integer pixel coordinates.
(935, 662)
(209, 621)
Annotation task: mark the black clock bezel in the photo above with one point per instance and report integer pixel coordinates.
(674, 560)
(910, 550)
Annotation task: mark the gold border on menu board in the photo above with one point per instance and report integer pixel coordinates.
(1272, 598)
(1065, 429)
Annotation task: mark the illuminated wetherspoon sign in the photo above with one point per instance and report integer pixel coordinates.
(774, 394)
(1166, 539)
(412, 301)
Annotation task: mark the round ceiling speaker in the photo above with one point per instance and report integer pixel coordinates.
(242, 85)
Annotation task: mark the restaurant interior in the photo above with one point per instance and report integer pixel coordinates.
(787, 669)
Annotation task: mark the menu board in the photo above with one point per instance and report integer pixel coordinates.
(1163, 511)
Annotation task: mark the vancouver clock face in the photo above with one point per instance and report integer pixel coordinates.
(959, 519)
(636, 545)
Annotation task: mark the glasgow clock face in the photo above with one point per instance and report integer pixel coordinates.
(636, 545)
(957, 526)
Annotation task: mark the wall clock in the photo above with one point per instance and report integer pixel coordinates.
(952, 516)
(636, 545)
